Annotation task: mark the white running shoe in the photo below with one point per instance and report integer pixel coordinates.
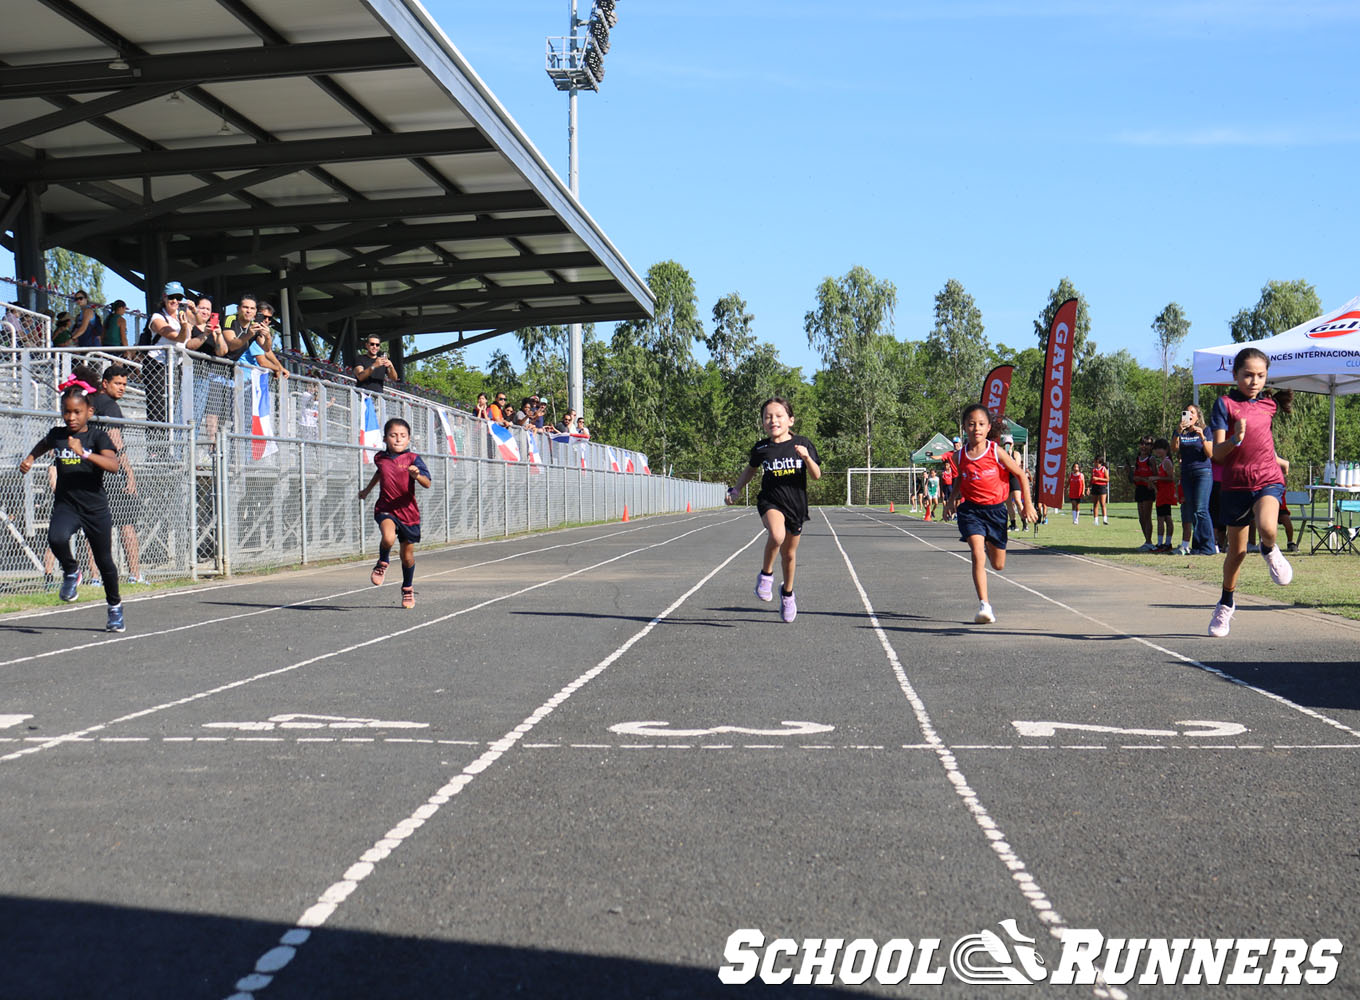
(1147, 547)
(1183, 549)
(1280, 570)
(1253, 547)
(985, 615)
(1218, 624)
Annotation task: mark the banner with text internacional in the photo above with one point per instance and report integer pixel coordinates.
(1057, 406)
(995, 390)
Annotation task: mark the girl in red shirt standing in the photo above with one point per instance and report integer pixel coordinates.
(979, 500)
(1076, 489)
(1100, 490)
(1164, 482)
(1144, 493)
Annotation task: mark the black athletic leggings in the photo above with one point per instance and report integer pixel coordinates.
(98, 525)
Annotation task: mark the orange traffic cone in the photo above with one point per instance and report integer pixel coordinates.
(625, 513)
(891, 508)
(687, 508)
(927, 514)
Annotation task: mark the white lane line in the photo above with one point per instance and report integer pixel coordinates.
(268, 965)
(1029, 887)
(233, 685)
(139, 636)
(1187, 660)
(408, 741)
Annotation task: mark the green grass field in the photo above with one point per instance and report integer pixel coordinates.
(1324, 582)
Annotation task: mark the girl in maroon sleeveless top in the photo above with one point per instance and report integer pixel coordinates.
(979, 500)
(1253, 482)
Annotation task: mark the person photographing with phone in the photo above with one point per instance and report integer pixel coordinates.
(1196, 450)
(374, 368)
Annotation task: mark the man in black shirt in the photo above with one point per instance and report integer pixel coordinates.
(373, 368)
(124, 504)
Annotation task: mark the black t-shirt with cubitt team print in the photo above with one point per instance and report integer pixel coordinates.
(783, 479)
(78, 482)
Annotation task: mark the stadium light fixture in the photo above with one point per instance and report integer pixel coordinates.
(575, 63)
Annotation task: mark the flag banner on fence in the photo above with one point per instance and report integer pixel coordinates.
(646, 469)
(613, 460)
(370, 435)
(261, 418)
(505, 442)
(628, 462)
(995, 389)
(1056, 406)
(535, 460)
(448, 433)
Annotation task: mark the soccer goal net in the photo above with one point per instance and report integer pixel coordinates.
(879, 487)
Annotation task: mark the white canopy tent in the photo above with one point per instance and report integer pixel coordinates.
(1321, 355)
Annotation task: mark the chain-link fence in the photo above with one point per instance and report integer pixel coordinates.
(190, 507)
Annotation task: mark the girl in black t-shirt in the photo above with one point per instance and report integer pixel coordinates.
(82, 454)
(785, 460)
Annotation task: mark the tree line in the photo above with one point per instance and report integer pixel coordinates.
(876, 397)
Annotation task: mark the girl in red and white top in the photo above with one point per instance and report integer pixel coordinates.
(1076, 489)
(1253, 482)
(1100, 490)
(1164, 482)
(979, 500)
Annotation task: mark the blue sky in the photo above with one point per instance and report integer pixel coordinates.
(1152, 152)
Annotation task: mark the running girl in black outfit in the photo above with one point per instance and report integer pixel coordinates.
(82, 455)
(785, 460)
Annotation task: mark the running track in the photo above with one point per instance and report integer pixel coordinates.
(587, 757)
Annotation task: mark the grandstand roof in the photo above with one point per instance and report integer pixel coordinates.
(347, 141)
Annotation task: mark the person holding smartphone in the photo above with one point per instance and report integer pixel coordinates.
(1197, 479)
(374, 368)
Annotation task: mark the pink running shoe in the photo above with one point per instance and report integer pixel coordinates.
(788, 607)
(765, 586)
(379, 571)
(1280, 570)
(1218, 624)
(408, 597)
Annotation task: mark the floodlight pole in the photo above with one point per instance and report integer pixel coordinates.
(575, 360)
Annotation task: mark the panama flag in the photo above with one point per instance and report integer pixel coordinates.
(505, 443)
(448, 432)
(535, 460)
(371, 435)
(262, 418)
(613, 460)
(646, 468)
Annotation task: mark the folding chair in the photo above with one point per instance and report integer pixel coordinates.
(1297, 501)
(1337, 537)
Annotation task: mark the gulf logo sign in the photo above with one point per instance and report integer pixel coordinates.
(1340, 326)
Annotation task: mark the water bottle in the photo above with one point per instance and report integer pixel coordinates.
(1329, 472)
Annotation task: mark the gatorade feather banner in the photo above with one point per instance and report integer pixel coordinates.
(995, 390)
(1056, 406)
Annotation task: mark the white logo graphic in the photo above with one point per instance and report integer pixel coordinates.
(656, 727)
(999, 965)
(1208, 729)
(300, 721)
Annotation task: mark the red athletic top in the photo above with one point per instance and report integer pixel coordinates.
(1076, 486)
(983, 480)
(397, 494)
(1142, 471)
(1166, 485)
(949, 471)
(1252, 465)
(1100, 476)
